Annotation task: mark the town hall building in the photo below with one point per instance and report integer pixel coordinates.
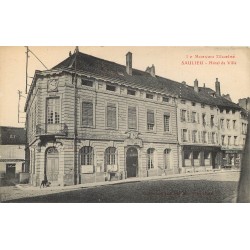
(91, 120)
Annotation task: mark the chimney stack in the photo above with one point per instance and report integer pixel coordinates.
(151, 70)
(196, 88)
(217, 87)
(129, 63)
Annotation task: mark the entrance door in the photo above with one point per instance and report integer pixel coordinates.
(10, 171)
(52, 164)
(132, 162)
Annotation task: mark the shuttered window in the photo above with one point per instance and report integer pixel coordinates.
(132, 118)
(183, 115)
(184, 135)
(111, 115)
(87, 114)
(166, 122)
(151, 158)
(150, 120)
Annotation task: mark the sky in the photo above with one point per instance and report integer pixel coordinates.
(176, 63)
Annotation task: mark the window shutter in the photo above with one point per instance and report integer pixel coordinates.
(111, 116)
(199, 136)
(132, 118)
(87, 114)
(198, 117)
(188, 116)
(181, 115)
(192, 136)
(189, 136)
(182, 135)
(150, 116)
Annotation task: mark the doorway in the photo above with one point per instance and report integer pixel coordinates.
(52, 164)
(10, 171)
(132, 162)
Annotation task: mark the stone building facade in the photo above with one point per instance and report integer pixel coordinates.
(92, 120)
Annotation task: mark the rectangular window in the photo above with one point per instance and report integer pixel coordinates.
(194, 136)
(150, 120)
(203, 106)
(234, 124)
(166, 122)
(184, 135)
(229, 140)
(212, 120)
(110, 87)
(149, 96)
(204, 137)
(211, 107)
(223, 139)
(87, 114)
(194, 117)
(111, 115)
(130, 92)
(132, 118)
(183, 101)
(222, 123)
(228, 124)
(213, 138)
(183, 115)
(235, 140)
(53, 110)
(87, 82)
(165, 99)
(193, 103)
(204, 119)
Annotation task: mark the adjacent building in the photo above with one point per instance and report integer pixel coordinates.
(92, 120)
(12, 152)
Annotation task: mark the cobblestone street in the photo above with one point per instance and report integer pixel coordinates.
(212, 187)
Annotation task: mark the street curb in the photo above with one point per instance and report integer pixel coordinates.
(27, 187)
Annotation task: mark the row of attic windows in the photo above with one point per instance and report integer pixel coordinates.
(110, 87)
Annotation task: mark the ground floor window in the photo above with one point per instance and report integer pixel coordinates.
(151, 158)
(187, 158)
(196, 158)
(110, 155)
(167, 159)
(207, 158)
(86, 155)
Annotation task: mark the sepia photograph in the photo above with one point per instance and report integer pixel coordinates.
(101, 124)
(124, 125)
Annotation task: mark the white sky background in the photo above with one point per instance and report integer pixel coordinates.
(235, 79)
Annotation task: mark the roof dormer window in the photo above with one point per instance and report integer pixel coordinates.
(110, 87)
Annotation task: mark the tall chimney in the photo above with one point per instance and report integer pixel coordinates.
(129, 63)
(217, 87)
(196, 88)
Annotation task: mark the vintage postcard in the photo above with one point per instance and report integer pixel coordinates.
(124, 124)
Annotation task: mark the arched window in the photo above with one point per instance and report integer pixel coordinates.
(86, 155)
(167, 162)
(110, 155)
(151, 158)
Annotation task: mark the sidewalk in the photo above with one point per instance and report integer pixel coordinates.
(129, 180)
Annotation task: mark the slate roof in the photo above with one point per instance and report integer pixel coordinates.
(12, 136)
(142, 80)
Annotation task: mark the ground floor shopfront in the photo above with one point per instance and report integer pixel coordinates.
(92, 161)
(231, 158)
(200, 158)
